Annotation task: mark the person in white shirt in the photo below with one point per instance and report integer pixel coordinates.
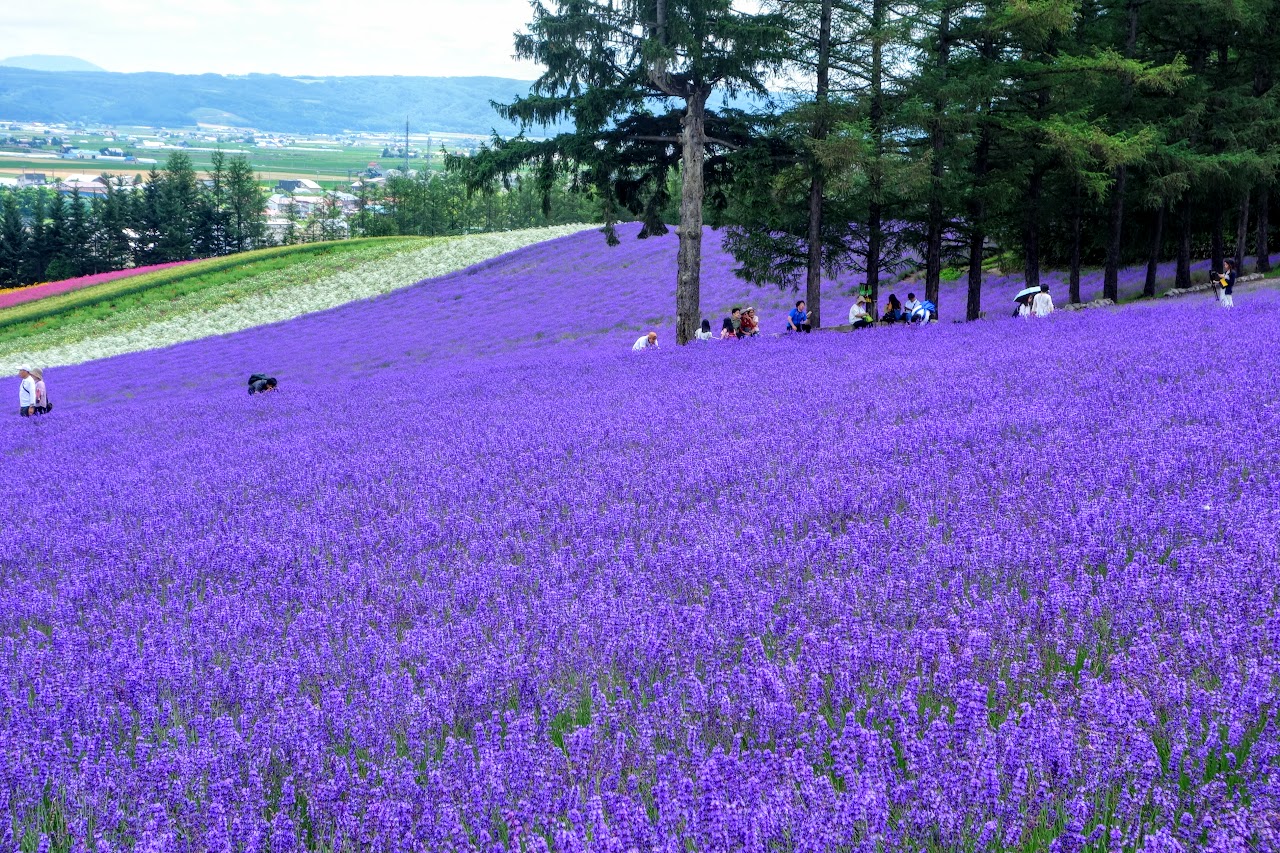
(26, 393)
(645, 341)
(1042, 305)
(704, 332)
(912, 304)
(859, 317)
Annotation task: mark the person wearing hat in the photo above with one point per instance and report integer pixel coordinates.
(26, 393)
(859, 317)
(645, 342)
(42, 392)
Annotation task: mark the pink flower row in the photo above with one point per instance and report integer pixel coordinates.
(19, 295)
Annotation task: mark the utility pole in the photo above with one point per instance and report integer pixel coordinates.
(406, 146)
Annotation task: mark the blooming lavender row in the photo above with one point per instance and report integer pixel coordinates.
(20, 295)
(501, 584)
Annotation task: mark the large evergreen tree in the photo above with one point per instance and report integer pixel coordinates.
(636, 77)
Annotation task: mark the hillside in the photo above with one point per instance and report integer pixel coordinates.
(264, 101)
(479, 576)
(44, 62)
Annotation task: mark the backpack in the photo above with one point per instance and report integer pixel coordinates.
(258, 377)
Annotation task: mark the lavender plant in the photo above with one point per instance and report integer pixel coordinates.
(476, 578)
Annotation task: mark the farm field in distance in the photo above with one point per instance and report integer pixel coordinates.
(328, 161)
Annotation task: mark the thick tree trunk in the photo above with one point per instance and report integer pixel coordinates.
(977, 213)
(973, 305)
(1031, 233)
(875, 211)
(1182, 278)
(1153, 259)
(1262, 247)
(689, 271)
(813, 277)
(1115, 231)
(1217, 244)
(1111, 274)
(1242, 232)
(875, 227)
(1073, 275)
(936, 226)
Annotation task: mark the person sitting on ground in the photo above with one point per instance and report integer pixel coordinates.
(918, 311)
(798, 319)
(750, 322)
(704, 331)
(726, 331)
(26, 392)
(736, 316)
(260, 383)
(859, 317)
(645, 342)
(1042, 302)
(43, 406)
(892, 311)
(1228, 282)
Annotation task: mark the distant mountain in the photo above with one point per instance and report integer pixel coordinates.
(43, 62)
(262, 101)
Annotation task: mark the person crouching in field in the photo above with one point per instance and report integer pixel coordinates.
(260, 383)
(26, 392)
(645, 342)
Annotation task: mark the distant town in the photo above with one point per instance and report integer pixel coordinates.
(303, 173)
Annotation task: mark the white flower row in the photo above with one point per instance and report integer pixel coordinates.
(255, 302)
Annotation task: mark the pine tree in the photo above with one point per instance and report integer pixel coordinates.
(13, 242)
(246, 207)
(177, 206)
(635, 76)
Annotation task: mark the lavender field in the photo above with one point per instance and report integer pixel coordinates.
(480, 578)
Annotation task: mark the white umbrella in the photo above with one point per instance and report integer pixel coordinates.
(1026, 291)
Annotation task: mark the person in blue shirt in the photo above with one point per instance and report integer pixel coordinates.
(798, 319)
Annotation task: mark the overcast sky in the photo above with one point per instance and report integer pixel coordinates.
(443, 38)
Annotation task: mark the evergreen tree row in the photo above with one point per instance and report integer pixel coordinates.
(913, 132)
(172, 216)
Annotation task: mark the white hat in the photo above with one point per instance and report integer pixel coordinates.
(23, 369)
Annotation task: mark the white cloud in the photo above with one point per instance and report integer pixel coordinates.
(445, 38)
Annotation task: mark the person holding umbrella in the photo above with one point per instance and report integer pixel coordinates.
(1023, 300)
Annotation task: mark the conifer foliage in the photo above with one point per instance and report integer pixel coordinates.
(172, 215)
(913, 136)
